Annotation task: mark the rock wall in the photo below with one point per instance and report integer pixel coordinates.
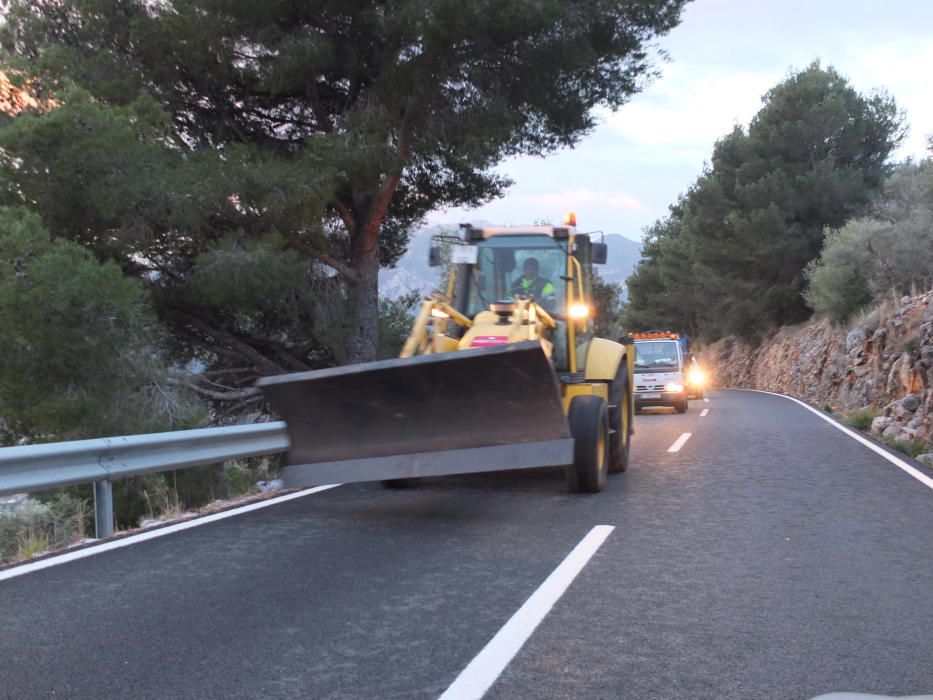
(884, 363)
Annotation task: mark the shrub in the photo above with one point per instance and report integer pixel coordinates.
(35, 526)
(31, 542)
(78, 341)
(395, 319)
(911, 448)
(863, 260)
(861, 420)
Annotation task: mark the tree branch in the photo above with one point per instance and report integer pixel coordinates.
(370, 231)
(345, 214)
(337, 265)
(348, 272)
(229, 395)
(245, 350)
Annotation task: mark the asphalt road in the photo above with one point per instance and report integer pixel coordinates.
(772, 556)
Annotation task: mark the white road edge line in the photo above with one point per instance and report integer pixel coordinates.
(488, 665)
(679, 442)
(152, 534)
(896, 461)
(704, 412)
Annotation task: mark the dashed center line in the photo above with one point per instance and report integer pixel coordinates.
(488, 665)
(679, 442)
(704, 412)
(706, 400)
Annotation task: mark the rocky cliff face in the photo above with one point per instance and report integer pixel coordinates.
(883, 364)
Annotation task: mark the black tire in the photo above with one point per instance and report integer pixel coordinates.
(681, 406)
(589, 425)
(401, 483)
(620, 440)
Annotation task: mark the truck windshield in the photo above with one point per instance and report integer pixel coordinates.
(507, 266)
(656, 356)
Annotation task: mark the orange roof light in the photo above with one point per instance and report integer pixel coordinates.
(655, 335)
(570, 219)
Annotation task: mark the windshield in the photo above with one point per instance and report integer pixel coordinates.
(656, 356)
(508, 266)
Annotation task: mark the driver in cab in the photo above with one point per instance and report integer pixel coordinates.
(532, 284)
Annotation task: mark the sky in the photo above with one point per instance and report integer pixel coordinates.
(723, 57)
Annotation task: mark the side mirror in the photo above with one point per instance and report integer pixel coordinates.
(599, 252)
(434, 256)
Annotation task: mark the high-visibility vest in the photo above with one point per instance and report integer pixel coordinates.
(538, 287)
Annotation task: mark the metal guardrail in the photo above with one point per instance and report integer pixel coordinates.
(29, 468)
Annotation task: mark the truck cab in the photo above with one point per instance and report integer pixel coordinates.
(660, 371)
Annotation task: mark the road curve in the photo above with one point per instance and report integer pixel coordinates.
(770, 556)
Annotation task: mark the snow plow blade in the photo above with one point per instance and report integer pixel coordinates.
(477, 410)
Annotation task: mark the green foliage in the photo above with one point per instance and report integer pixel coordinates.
(57, 521)
(607, 300)
(77, 342)
(730, 257)
(868, 257)
(166, 493)
(911, 448)
(337, 125)
(31, 542)
(239, 479)
(243, 275)
(395, 319)
(861, 420)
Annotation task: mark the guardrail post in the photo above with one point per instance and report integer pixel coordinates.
(103, 508)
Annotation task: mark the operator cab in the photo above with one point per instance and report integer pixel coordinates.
(497, 265)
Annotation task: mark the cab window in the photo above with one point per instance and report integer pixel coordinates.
(510, 265)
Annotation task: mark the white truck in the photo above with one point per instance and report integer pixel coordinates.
(660, 370)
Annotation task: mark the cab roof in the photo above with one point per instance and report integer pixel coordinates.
(476, 233)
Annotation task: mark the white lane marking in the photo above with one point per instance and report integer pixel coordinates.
(896, 461)
(488, 665)
(679, 442)
(704, 412)
(152, 534)
(706, 400)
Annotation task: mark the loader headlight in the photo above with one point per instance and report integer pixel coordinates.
(578, 311)
(673, 387)
(696, 377)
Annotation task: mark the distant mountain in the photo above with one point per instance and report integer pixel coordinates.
(624, 254)
(413, 272)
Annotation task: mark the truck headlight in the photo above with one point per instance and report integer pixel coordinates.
(674, 387)
(697, 377)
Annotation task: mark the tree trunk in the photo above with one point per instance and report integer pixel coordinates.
(362, 342)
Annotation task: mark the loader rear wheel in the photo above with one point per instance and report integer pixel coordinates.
(620, 421)
(589, 425)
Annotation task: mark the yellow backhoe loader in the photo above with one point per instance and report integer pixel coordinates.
(502, 371)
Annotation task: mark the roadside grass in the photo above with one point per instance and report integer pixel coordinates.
(31, 542)
(911, 448)
(56, 521)
(861, 420)
(180, 492)
(61, 518)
